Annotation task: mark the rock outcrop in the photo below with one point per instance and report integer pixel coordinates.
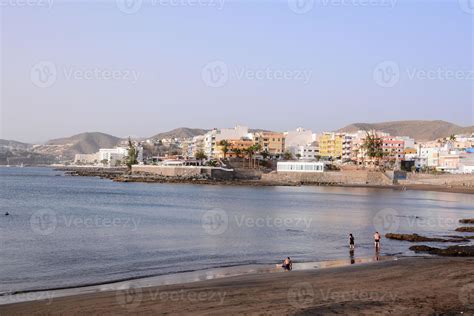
(453, 251)
(418, 238)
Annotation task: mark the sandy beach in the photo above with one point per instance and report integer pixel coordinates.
(417, 286)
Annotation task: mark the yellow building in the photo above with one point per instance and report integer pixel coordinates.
(330, 145)
(273, 143)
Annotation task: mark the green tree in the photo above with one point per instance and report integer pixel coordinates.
(298, 155)
(373, 144)
(287, 155)
(237, 152)
(265, 154)
(132, 156)
(452, 138)
(201, 155)
(104, 161)
(224, 147)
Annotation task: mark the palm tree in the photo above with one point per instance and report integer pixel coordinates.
(201, 155)
(132, 155)
(373, 145)
(256, 148)
(452, 138)
(224, 147)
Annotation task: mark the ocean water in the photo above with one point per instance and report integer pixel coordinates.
(67, 231)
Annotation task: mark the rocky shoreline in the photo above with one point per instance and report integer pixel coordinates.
(123, 175)
(451, 251)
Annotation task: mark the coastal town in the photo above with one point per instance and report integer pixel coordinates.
(306, 149)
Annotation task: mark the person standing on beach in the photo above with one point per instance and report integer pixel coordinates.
(351, 241)
(377, 240)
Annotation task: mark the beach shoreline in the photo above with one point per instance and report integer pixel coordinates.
(419, 285)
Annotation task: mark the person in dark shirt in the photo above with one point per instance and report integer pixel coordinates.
(351, 241)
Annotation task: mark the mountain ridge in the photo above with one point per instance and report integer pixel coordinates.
(420, 130)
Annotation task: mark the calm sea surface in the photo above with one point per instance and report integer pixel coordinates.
(69, 231)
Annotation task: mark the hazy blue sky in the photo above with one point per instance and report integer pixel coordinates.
(277, 65)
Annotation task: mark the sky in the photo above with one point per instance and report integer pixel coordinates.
(139, 67)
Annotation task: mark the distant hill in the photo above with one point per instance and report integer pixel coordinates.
(14, 144)
(419, 130)
(182, 132)
(85, 143)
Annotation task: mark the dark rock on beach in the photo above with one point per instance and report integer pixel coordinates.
(467, 221)
(418, 238)
(453, 251)
(465, 229)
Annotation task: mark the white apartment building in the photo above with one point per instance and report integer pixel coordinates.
(409, 142)
(297, 138)
(308, 152)
(212, 138)
(86, 159)
(112, 155)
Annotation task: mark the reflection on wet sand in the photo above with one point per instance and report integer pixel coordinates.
(194, 276)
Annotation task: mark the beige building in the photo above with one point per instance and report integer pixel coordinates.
(273, 143)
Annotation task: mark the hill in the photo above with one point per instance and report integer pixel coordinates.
(85, 143)
(12, 144)
(182, 132)
(419, 130)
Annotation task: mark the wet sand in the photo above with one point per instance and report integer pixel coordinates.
(418, 286)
